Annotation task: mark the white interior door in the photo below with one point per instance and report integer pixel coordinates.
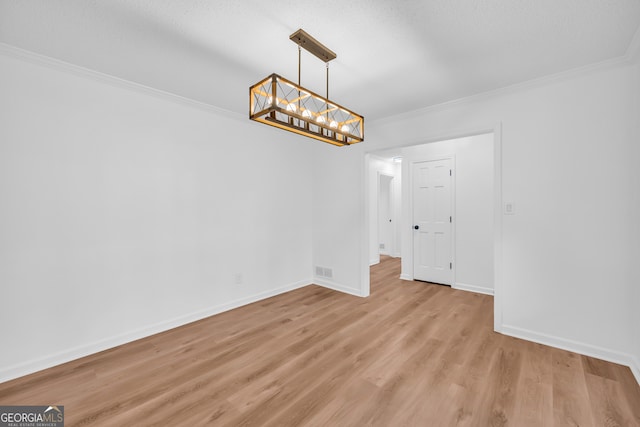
(384, 215)
(432, 221)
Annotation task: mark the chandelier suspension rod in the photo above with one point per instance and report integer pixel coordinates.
(299, 84)
(299, 56)
(327, 63)
(327, 80)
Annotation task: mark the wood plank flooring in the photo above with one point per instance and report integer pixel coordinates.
(412, 354)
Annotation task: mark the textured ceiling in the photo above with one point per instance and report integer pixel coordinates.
(393, 56)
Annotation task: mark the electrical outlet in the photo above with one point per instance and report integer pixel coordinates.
(237, 278)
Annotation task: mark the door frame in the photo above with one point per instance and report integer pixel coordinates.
(391, 211)
(496, 130)
(410, 258)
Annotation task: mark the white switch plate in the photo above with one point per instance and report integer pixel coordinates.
(509, 208)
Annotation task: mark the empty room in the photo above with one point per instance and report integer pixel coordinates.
(296, 213)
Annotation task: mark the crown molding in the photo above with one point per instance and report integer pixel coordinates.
(632, 55)
(510, 89)
(77, 70)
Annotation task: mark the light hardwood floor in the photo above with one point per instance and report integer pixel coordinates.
(412, 354)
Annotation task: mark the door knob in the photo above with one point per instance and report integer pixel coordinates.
(416, 227)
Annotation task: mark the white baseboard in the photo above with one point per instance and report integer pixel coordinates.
(406, 277)
(576, 347)
(375, 261)
(49, 361)
(329, 284)
(635, 368)
(473, 288)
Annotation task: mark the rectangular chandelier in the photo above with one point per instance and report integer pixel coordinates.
(279, 102)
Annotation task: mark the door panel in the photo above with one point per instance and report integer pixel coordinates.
(432, 198)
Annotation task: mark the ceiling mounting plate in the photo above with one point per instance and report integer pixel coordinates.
(311, 45)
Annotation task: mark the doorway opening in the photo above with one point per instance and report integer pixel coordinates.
(475, 220)
(384, 208)
(385, 215)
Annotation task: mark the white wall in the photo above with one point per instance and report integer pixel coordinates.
(634, 255)
(125, 212)
(339, 222)
(473, 215)
(565, 279)
(377, 166)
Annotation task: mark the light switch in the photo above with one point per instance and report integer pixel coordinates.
(509, 208)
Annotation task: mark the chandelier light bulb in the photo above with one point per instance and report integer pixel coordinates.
(291, 107)
(306, 113)
(333, 124)
(345, 128)
(321, 119)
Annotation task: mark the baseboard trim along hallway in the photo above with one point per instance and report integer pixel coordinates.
(473, 288)
(576, 347)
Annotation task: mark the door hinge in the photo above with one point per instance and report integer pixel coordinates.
(450, 266)
(450, 220)
(450, 172)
